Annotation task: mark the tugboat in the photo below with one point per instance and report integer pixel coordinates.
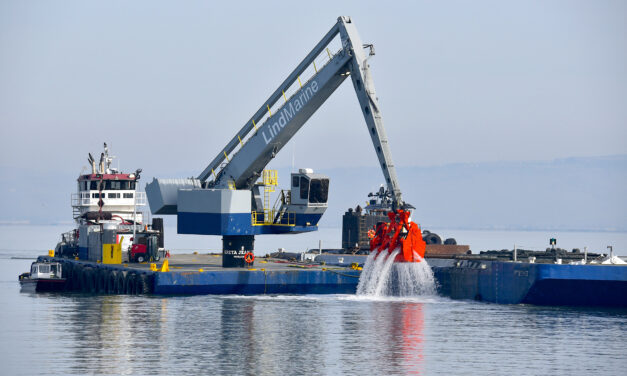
(109, 230)
(105, 212)
(43, 276)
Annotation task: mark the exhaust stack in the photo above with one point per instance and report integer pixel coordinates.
(92, 163)
(101, 163)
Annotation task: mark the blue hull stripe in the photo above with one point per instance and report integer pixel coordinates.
(258, 282)
(238, 224)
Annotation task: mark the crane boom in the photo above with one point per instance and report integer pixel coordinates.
(226, 198)
(244, 166)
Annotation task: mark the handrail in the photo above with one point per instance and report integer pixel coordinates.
(84, 199)
(286, 219)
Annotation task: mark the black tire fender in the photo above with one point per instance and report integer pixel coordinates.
(146, 281)
(87, 280)
(77, 271)
(120, 279)
(450, 241)
(129, 284)
(432, 238)
(111, 277)
(101, 281)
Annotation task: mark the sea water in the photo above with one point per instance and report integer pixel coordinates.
(422, 334)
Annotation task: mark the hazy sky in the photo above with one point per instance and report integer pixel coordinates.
(167, 84)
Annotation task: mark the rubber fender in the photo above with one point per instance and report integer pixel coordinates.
(111, 277)
(119, 283)
(432, 238)
(450, 241)
(87, 280)
(147, 282)
(101, 278)
(129, 284)
(138, 286)
(77, 271)
(67, 274)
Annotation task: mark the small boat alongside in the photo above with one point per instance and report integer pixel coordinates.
(43, 276)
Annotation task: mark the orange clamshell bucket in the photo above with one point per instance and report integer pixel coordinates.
(399, 233)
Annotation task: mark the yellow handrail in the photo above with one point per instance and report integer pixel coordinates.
(287, 218)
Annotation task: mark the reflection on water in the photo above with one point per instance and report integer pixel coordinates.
(310, 335)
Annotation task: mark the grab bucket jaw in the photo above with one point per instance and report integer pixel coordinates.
(400, 233)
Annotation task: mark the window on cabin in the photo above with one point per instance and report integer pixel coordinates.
(44, 268)
(33, 269)
(304, 188)
(114, 185)
(319, 191)
(93, 185)
(295, 180)
(128, 195)
(114, 195)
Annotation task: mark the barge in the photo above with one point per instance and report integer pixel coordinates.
(480, 278)
(192, 274)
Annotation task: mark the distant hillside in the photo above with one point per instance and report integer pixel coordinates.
(564, 194)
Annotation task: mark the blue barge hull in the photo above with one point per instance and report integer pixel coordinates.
(539, 284)
(478, 279)
(256, 282)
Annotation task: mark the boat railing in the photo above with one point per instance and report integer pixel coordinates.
(84, 199)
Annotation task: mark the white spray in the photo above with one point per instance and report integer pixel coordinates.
(382, 276)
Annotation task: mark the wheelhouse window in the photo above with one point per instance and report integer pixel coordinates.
(113, 185)
(304, 188)
(109, 185)
(295, 180)
(44, 268)
(319, 191)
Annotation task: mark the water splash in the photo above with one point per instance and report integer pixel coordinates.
(382, 276)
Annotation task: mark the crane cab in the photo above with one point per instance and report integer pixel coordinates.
(309, 188)
(309, 193)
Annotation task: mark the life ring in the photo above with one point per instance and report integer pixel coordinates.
(249, 258)
(371, 234)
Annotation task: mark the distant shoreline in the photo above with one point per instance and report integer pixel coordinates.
(522, 229)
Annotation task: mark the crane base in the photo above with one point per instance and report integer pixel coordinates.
(234, 250)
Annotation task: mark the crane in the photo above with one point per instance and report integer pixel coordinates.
(227, 199)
